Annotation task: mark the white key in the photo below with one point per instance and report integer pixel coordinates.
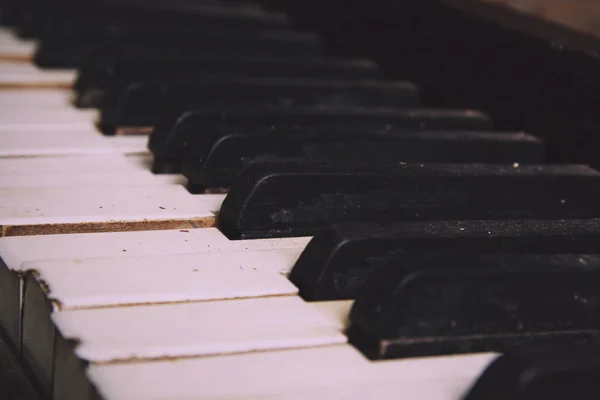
(23, 167)
(26, 211)
(36, 99)
(195, 329)
(13, 76)
(16, 251)
(332, 372)
(96, 170)
(68, 140)
(31, 118)
(13, 48)
(109, 282)
(132, 281)
(336, 312)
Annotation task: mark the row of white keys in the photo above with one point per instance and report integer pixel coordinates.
(112, 250)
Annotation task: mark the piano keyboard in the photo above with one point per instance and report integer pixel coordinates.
(245, 216)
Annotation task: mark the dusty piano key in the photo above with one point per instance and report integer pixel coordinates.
(291, 199)
(99, 170)
(107, 76)
(53, 286)
(412, 312)
(142, 102)
(324, 372)
(173, 136)
(67, 53)
(51, 210)
(337, 262)
(16, 251)
(217, 161)
(541, 372)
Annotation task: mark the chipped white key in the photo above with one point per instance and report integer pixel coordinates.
(16, 251)
(95, 170)
(130, 281)
(195, 329)
(27, 76)
(332, 372)
(174, 331)
(35, 211)
(66, 141)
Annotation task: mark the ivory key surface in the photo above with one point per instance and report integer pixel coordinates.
(332, 372)
(195, 329)
(27, 76)
(35, 211)
(82, 139)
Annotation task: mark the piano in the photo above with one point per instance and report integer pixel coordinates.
(236, 199)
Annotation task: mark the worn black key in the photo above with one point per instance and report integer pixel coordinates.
(427, 310)
(70, 51)
(107, 77)
(217, 161)
(541, 372)
(142, 102)
(174, 134)
(338, 260)
(289, 199)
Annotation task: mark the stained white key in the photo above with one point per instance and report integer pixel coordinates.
(81, 139)
(95, 170)
(27, 211)
(109, 282)
(195, 329)
(332, 372)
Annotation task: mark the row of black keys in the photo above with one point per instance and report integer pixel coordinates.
(421, 288)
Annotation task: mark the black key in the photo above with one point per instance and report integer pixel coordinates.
(435, 309)
(279, 199)
(108, 76)
(142, 102)
(101, 17)
(217, 161)
(174, 134)
(541, 372)
(70, 51)
(337, 262)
